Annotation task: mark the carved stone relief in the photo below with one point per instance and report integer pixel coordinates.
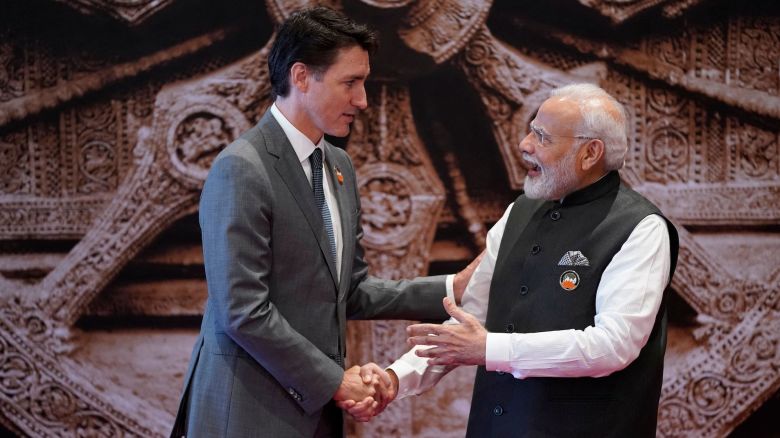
(94, 153)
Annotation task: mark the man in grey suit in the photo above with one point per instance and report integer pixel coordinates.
(280, 220)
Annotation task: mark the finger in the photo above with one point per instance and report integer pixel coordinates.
(384, 378)
(346, 405)
(426, 340)
(454, 311)
(368, 370)
(365, 408)
(432, 352)
(360, 409)
(443, 360)
(423, 329)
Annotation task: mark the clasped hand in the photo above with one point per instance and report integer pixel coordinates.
(366, 391)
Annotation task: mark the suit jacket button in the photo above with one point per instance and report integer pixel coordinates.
(555, 215)
(498, 410)
(510, 328)
(535, 249)
(523, 290)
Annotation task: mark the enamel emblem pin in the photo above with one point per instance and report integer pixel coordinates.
(339, 176)
(569, 280)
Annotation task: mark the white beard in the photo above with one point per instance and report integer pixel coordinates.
(554, 182)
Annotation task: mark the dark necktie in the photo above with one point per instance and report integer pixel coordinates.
(319, 197)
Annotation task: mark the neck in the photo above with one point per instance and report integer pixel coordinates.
(295, 113)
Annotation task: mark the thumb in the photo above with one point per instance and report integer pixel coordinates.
(453, 310)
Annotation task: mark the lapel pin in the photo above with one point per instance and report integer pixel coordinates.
(569, 280)
(339, 176)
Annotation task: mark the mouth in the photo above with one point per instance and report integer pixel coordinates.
(350, 117)
(531, 167)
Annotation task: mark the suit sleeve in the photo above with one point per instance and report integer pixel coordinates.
(236, 216)
(374, 298)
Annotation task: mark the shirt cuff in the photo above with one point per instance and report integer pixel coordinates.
(498, 352)
(450, 288)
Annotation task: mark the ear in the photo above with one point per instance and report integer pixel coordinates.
(591, 154)
(299, 76)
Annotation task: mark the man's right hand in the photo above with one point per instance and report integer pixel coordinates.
(354, 389)
(385, 384)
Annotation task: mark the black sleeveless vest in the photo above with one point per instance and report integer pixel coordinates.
(526, 296)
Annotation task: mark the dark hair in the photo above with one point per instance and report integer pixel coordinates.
(314, 37)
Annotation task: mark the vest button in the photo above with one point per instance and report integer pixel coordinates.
(535, 249)
(510, 328)
(523, 290)
(555, 215)
(498, 410)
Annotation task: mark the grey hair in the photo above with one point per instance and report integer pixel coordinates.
(603, 117)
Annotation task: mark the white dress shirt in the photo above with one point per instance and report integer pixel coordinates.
(627, 301)
(303, 149)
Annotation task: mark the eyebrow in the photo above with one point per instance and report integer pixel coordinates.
(541, 129)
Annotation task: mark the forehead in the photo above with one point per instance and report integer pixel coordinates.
(350, 61)
(557, 114)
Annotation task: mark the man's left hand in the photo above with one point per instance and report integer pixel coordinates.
(452, 344)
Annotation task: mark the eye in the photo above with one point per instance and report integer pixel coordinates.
(537, 133)
(350, 83)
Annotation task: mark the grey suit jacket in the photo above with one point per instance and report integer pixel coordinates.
(270, 352)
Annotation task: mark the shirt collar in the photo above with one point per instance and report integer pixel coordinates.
(301, 144)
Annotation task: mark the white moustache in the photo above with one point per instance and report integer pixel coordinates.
(530, 162)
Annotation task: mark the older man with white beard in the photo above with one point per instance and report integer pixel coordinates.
(565, 314)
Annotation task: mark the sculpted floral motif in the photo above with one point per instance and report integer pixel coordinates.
(51, 403)
(440, 28)
(673, 50)
(758, 152)
(13, 162)
(95, 424)
(387, 208)
(758, 52)
(97, 163)
(667, 156)
(674, 416)
(199, 138)
(710, 394)
(15, 371)
(750, 359)
(11, 67)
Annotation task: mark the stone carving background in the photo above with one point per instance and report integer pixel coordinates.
(111, 112)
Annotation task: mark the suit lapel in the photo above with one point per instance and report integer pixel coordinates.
(289, 169)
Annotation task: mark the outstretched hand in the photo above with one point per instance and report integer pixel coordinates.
(452, 344)
(385, 387)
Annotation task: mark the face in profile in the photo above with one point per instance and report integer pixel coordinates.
(333, 98)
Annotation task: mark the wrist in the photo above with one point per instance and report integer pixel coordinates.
(393, 379)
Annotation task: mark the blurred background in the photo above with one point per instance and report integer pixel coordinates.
(111, 112)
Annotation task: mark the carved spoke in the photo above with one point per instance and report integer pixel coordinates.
(401, 197)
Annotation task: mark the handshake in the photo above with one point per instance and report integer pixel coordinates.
(365, 391)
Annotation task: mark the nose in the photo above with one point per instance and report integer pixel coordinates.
(360, 100)
(527, 143)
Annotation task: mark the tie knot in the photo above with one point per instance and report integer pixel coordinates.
(316, 158)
